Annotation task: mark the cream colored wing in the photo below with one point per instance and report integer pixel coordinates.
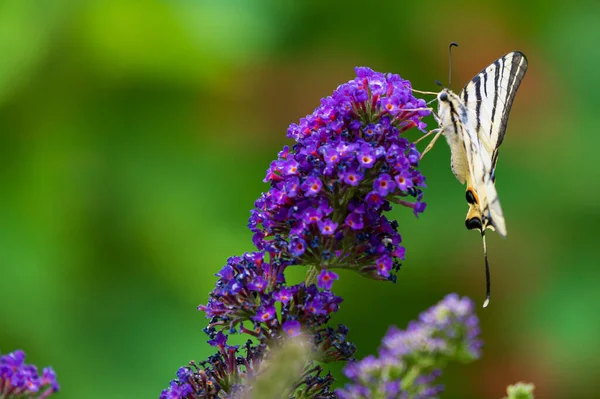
(450, 123)
(481, 191)
(489, 97)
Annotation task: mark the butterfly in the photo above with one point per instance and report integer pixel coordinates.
(474, 123)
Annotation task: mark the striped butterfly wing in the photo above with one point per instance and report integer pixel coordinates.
(476, 161)
(489, 97)
(480, 179)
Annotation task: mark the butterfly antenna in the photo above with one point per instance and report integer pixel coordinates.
(487, 273)
(450, 62)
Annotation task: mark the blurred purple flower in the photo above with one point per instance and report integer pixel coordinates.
(21, 380)
(409, 360)
(230, 374)
(222, 375)
(292, 327)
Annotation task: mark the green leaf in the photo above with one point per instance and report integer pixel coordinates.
(282, 369)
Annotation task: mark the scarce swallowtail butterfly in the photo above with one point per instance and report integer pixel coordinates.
(474, 123)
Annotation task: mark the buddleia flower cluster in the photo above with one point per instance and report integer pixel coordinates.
(325, 210)
(329, 192)
(410, 361)
(21, 380)
(251, 298)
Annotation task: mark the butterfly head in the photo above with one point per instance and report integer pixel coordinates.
(447, 96)
(443, 95)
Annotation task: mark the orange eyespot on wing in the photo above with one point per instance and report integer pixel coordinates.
(472, 197)
(474, 219)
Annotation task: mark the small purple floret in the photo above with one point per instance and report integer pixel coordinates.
(326, 279)
(292, 328)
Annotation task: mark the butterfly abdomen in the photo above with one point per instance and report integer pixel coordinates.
(451, 114)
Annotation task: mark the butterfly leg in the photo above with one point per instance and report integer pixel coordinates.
(424, 92)
(429, 133)
(437, 132)
(435, 116)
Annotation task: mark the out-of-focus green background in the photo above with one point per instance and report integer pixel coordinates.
(134, 137)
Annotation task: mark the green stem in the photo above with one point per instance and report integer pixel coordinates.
(410, 377)
(311, 276)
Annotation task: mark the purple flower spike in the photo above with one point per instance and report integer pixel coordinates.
(325, 206)
(447, 331)
(270, 309)
(207, 379)
(326, 279)
(349, 155)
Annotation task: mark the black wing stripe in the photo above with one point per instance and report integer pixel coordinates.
(478, 96)
(465, 98)
(485, 75)
(498, 90)
(518, 67)
(494, 160)
(496, 83)
(452, 118)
